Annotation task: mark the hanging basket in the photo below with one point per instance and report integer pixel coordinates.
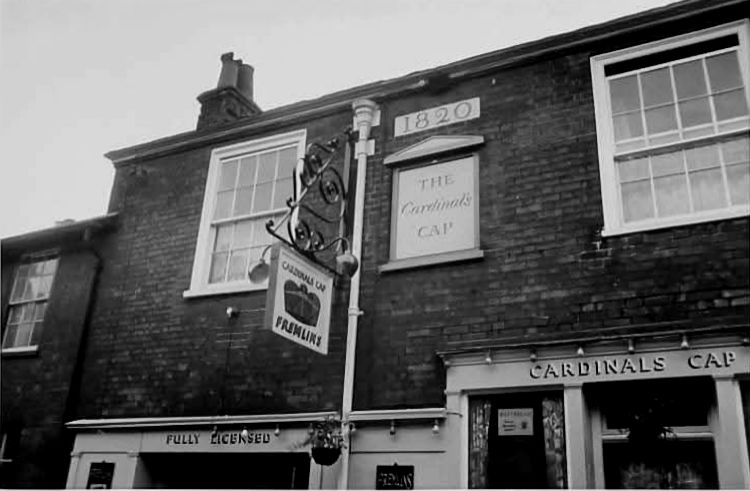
(325, 456)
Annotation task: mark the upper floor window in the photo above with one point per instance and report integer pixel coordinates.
(247, 185)
(28, 302)
(672, 123)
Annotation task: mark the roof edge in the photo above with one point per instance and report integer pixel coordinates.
(467, 67)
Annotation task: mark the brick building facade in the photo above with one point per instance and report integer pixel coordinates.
(554, 244)
(48, 285)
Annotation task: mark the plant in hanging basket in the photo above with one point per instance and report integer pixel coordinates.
(325, 440)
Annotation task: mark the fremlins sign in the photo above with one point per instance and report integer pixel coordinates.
(298, 304)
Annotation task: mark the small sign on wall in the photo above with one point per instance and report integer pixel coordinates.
(515, 422)
(100, 475)
(434, 117)
(394, 477)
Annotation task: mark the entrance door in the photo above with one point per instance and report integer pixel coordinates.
(517, 441)
(227, 470)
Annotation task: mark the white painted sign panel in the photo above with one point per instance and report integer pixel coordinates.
(298, 303)
(435, 117)
(515, 422)
(435, 209)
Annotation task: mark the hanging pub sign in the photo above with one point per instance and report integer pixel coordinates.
(394, 477)
(298, 303)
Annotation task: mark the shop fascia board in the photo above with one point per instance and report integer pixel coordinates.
(256, 419)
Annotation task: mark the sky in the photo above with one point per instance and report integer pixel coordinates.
(79, 78)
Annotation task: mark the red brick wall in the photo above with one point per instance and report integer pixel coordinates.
(152, 352)
(540, 208)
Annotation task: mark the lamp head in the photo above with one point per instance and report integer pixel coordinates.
(259, 272)
(346, 264)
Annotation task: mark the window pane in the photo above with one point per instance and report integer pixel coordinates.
(238, 265)
(628, 126)
(657, 87)
(708, 189)
(39, 310)
(228, 175)
(20, 283)
(702, 157)
(667, 164)
(267, 167)
(282, 192)
(242, 234)
(36, 333)
(287, 162)
(9, 341)
(689, 79)
(636, 201)
(260, 234)
(671, 195)
(27, 312)
(631, 170)
(724, 71)
(247, 171)
(223, 205)
(23, 335)
(50, 266)
(624, 92)
(223, 238)
(736, 150)
(739, 183)
(695, 112)
(730, 104)
(262, 198)
(14, 317)
(661, 119)
(243, 201)
(218, 267)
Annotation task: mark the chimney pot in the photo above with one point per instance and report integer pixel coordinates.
(245, 81)
(229, 71)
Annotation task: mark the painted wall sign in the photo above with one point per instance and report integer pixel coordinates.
(100, 475)
(217, 438)
(435, 117)
(298, 303)
(435, 209)
(515, 422)
(616, 365)
(394, 477)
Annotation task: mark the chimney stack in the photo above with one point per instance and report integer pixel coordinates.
(232, 99)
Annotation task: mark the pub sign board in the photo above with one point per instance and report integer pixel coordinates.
(298, 302)
(394, 477)
(435, 209)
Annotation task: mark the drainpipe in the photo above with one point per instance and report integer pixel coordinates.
(364, 111)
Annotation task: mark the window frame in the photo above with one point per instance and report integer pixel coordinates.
(611, 200)
(29, 259)
(199, 281)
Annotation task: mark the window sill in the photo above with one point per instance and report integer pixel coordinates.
(421, 261)
(737, 212)
(206, 290)
(20, 351)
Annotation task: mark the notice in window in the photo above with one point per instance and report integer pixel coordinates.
(435, 211)
(515, 422)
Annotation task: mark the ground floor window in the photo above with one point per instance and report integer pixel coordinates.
(656, 434)
(517, 440)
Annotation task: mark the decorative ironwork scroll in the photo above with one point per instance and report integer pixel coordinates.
(315, 221)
